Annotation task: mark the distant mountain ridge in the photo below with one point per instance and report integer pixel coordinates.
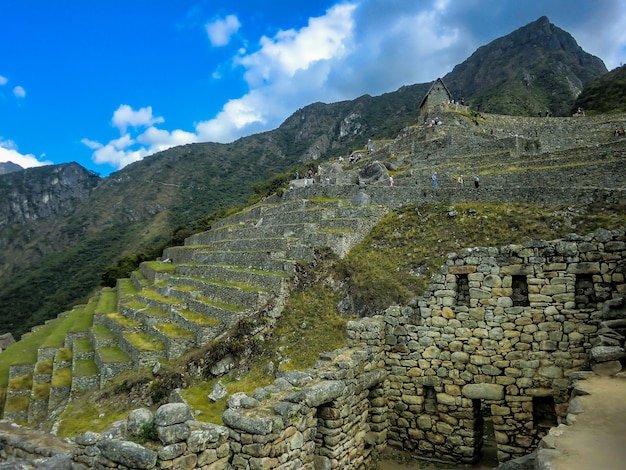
(536, 68)
(55, 246)
(9, 167)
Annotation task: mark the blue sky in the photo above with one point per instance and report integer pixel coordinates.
(106, 83)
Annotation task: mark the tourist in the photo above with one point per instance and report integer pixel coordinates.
(460, 181)
(476, 181)
(434, 179)
(391, 181)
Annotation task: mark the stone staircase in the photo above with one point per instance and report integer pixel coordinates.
(167, 308)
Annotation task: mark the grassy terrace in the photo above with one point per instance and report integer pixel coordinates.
(85, 368)
(153, 295)
(123, 321)
(101, 332)
(107, 302)
(155, 312)
(199, 319)
(16, 404)
(113, 354)
(23, 351)
(62, 377)
(144, 342)
(63, 355)
(44, 367)
(159, 267)
(21, 383)
(84, 321)
(240, 269)
(126, 287)
(83, 345)
(41, 390)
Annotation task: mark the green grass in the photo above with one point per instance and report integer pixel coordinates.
(84, 321)
(126, 287)
(123, 321)
(62, 377)
(102, 332)
(44, 367)
(150, 294)
(63, 355)
(41, 391)
(107, 302)
(199, 319)
(211, 412)
(23, 351)
(395, 261)
(21, 383)
(159, 267)
(85, 368)
(83, 345)
(309, 325)
(113, 354)
(325, 200)
(17, 404)
(89, 415)
(145, 342)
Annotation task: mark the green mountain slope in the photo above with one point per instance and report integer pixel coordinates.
(535, 69)
(606, 95)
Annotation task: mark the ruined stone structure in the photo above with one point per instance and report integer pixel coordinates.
(497, 335)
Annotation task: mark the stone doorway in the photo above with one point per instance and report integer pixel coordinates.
(485, 446)
(544, 415)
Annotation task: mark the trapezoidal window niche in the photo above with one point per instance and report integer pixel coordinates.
(585, 291)
(462, 293)
(519, 285)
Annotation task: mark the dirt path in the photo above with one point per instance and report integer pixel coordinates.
(598, 438)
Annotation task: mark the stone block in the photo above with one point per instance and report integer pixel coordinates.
(483, 391)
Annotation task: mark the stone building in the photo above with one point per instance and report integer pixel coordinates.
(437, 95)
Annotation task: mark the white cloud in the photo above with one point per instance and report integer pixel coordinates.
(19, 92)
(9, 153)
(287, 71)
(220, 31)
(125, 116)
(127, 149)
(3, 80)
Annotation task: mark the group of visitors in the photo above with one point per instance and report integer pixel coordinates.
(434, 180)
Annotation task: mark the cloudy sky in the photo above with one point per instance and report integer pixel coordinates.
(106, 83)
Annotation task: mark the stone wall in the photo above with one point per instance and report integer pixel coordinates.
(497, 336)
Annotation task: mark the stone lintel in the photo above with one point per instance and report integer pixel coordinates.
(461, 269)
(483, 391)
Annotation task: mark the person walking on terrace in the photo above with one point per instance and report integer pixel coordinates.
(434, 179)
(476, 181)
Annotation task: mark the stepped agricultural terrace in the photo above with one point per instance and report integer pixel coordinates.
(500, 332)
